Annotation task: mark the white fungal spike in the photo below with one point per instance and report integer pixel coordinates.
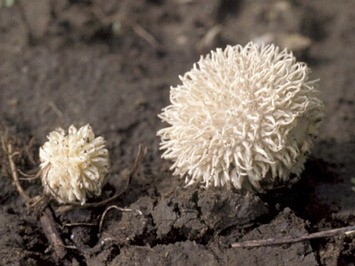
(73, 166)
(242, 114)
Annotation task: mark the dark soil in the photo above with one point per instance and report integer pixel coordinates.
(110, 63)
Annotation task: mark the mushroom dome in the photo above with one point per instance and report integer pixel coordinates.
(74, 165)
(242, 115)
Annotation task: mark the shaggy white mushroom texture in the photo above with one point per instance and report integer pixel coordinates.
(243, 115)
(75, 165)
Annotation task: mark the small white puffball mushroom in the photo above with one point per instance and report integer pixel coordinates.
(73, 166)
(242, 116)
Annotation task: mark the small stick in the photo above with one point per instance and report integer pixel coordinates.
(209, 37)
(56, 109)
(78, 224)
(28, 177)
(289, 239)
(51, 233)
(28, 152)
(145, 35)
(38, 199)
(70, 247)
(8, 149)
(117, 208)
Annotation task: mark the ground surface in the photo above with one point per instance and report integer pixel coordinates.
(110, 63)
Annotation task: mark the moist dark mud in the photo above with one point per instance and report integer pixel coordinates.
(111, 63)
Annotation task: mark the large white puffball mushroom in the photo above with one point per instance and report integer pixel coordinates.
(73, 166)
(242, 115)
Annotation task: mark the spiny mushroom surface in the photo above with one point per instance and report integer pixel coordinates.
(74, 165)
(242, 115)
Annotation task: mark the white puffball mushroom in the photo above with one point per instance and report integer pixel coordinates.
(242, 116)
(74, 165)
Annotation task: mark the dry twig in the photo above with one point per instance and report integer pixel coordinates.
(289, 239)
(145, 35)
(78, 224)
(208, 39)
(8, 149)
(55, 109)
(117, 208)
(29, 177)
(51, 232)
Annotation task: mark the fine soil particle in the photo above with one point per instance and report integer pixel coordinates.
(111, 63)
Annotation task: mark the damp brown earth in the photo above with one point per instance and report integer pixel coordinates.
(111, 63)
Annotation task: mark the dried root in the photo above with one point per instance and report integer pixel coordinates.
(9, 151)
(117, 208)
(289, 239)
(52, 234)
